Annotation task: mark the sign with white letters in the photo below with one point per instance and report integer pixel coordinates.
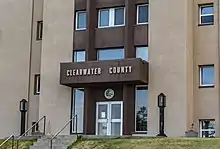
(98, 71)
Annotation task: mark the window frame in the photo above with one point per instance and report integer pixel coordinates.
(111, 17)
(106, 49)
(136, 87)
(202, 15)
(39, 35)
(205, 130)
(201, 67)
(74, 57)
(143, 46)
(37, 84)
(76, 21)
(73, 111)
(137, 14)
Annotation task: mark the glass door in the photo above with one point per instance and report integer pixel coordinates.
(116, 123)
(102, 118)
(109, 118)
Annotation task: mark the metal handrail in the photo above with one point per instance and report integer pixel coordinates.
(9, 138)
(42, 118)
(56, 134)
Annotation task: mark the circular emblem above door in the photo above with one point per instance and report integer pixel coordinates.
(109, 93)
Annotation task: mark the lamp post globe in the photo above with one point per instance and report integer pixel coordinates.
(23, 109)
(23, 105)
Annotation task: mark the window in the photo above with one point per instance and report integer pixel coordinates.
(142, 14)
(111, 17)
(207, 75)
(80, 20)
(37, 84)
(79, 56)
(78, 109)
(141, 99)
(110, 54)
(207, 128)
(142, 52)
(39, 30)
(207, 14)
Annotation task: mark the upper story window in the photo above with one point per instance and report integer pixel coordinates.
(142, 14)
(79, 56)
(207, 75)
(37, 84)
(142, 52)
(111, 17)
(141, 99)
(80, 20)
(110, 54)
(206, 14)
(39, 30)
(207, 128)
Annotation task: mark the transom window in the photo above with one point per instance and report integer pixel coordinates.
(207, 14)
(142, 52)
(142, 14)
(110, 54)
(80, 20)
(207, 75)
(141, 99)
(79, 56)
(111, 17)
(207, 128)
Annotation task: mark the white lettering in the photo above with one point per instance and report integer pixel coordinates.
(130, 69)
(77, 72)
(98, 71)
(110, 70)
(68, 73)
(120, 70)
(83, 72)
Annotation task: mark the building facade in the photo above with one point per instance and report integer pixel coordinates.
(107, 61)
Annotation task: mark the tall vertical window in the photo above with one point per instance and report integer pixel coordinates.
(142, 14)
(206, 14)
(37, 84)
(142, 52)
(207, 75)
(141, 112)
(39, 30)
(111, 17)
(79, 56)
(78, 109)
(80, 20)
(207, 128)
(110, 54)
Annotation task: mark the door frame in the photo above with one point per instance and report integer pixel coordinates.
(109, 103)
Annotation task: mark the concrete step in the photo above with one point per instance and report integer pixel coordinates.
(47, 147)
(37, 133)
(54, 143)
(60, 142)
(28, 137)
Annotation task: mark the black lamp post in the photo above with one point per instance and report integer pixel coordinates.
(23, 110)
(161, 105)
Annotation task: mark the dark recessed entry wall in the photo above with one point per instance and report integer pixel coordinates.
(128, 36)
(122, 93)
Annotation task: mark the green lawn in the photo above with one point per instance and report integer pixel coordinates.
(147, 143)
(22, 144)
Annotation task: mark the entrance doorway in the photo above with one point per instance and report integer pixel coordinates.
(109, 118)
